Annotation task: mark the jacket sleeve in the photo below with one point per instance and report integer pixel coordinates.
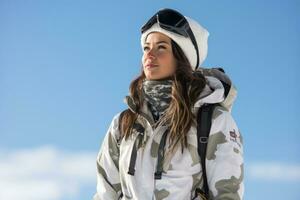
(224, 158)
(108, 181)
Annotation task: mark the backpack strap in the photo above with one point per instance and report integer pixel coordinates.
(160, 157)
(204, 119)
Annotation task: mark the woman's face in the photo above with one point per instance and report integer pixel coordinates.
(158, 59)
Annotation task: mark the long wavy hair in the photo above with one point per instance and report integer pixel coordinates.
(186, 87)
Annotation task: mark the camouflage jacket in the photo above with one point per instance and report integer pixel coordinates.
(182, 171)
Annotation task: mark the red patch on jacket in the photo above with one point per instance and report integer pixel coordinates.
(234, 137)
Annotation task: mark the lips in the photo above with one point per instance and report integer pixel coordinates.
(151, 65)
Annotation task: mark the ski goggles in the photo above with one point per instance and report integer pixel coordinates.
(172, 21)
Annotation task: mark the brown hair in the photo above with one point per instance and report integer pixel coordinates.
(178, 115)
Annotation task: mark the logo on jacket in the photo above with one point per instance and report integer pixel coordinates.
(234, 137)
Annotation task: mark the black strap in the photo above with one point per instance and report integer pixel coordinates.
(204, 119)
(138, 127)
(131, 169)
(160, 156)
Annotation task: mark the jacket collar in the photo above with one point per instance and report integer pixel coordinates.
(218, 89)
(145, 111)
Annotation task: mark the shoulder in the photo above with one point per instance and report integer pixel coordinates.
(222, 116)
(225, 125)
(225, 138)
(114, 126)
(115, 120)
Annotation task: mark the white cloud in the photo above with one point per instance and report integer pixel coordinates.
(45, 173)
(273, 171)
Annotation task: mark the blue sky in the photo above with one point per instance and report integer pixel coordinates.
(65, 67)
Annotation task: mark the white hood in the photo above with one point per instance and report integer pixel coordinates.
(219, 89)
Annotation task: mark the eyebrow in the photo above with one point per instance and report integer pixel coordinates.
(158, 42)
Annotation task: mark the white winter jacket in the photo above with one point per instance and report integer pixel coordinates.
(182, 172)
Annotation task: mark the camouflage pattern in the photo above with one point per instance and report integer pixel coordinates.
(158, 94)
(182, 172)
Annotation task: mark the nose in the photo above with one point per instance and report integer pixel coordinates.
(150, 54)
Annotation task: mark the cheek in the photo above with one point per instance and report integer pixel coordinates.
(172, 67)
(164, 58)
(170, 63)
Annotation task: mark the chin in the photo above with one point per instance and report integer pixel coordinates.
(154, 78)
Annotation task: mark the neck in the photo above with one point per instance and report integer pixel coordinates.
(158, 93)
(160, 79)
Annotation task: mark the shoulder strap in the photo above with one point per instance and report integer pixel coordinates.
(204, 119)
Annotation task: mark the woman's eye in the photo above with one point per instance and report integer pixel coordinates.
(159, 47)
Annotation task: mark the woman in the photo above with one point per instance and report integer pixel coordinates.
(150, 149)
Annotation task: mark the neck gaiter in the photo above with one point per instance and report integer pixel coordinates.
(158, 95)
